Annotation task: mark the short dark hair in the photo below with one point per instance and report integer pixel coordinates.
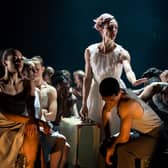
(9, 51)
(109, 86)
(152, 72)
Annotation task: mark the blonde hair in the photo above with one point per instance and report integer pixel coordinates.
(102, 20)
(79, 73)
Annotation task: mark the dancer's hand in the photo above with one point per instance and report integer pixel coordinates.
(84, 113)
(109, 154)
(44, 127)
(31, 129)
(47, 129)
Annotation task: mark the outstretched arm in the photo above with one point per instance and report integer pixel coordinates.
(151, 89)
(129, 71)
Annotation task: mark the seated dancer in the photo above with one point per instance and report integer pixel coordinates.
(19, 136)
(67, 101)
(55, 145)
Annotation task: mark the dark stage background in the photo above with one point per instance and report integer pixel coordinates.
(59, 31)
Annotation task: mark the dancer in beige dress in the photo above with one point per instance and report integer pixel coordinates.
(102, 60)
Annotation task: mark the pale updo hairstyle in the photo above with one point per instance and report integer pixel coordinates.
(102, 20)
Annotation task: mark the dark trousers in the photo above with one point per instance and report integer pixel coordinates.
(138, 147)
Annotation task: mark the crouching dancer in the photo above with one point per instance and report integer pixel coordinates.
(122, 150)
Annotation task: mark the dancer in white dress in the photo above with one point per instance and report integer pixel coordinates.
(102, 60)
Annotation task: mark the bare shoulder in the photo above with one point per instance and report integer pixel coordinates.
(129, 106)
(125, 55)
(127, 102)
(92, 49)
(93, 46)
(87, 55)
(51, 90)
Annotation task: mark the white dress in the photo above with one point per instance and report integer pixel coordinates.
(103, 66)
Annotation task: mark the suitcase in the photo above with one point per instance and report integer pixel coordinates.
(84, 139)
